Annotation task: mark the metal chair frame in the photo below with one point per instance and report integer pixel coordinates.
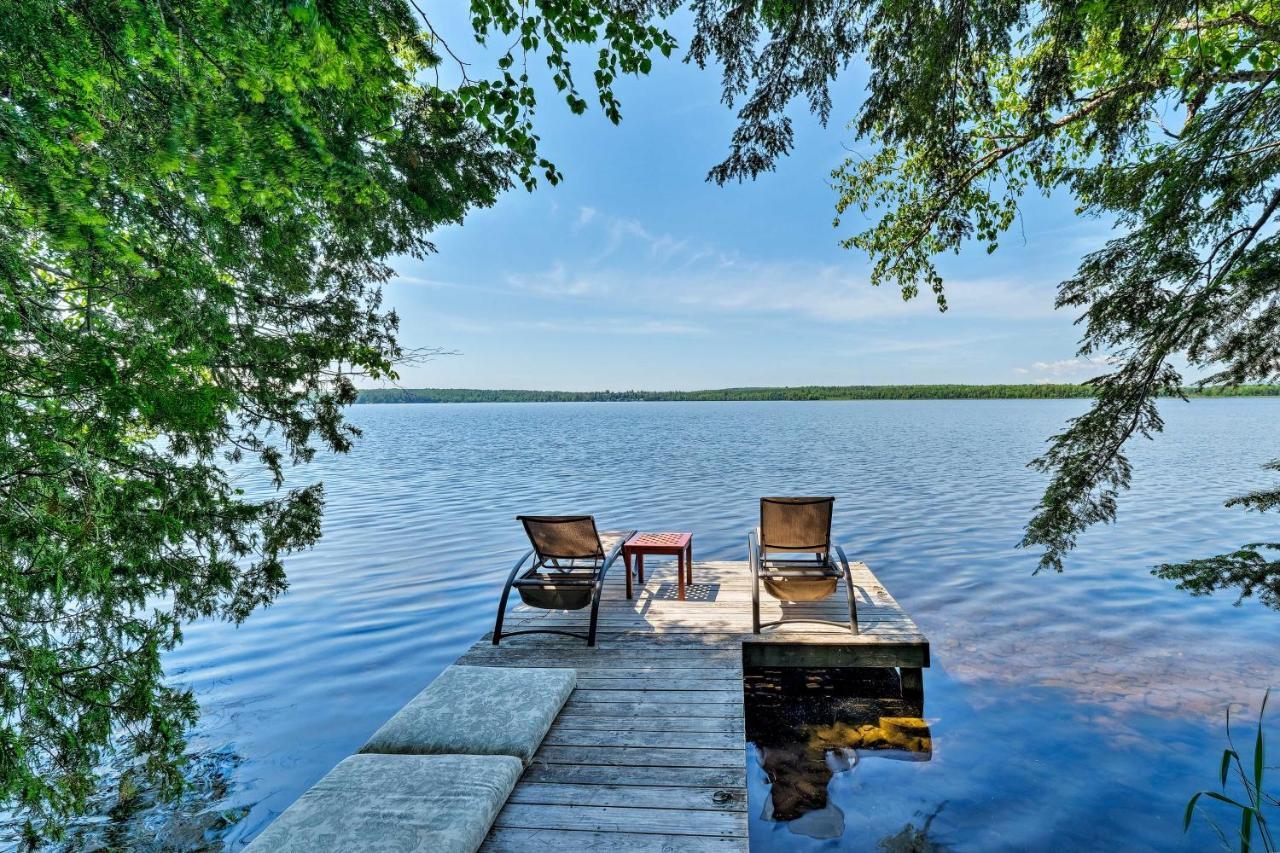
(530, 577)
(820, 567)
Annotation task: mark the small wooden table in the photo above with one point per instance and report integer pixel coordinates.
(678, 545)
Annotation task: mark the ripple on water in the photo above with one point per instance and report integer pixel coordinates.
(419, 533)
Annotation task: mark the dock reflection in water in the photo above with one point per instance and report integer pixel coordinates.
(803, 726)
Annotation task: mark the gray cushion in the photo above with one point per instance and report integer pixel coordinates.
(400, 803)
(478, 710)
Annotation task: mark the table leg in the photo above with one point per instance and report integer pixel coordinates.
(626, 558)
(680, 572)
(688, 562)
(640, 566)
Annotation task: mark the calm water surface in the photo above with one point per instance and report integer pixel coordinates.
(1066, 712)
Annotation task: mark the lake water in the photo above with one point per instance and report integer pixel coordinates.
(1065, 711)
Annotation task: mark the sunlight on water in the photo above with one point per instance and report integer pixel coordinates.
(1064, 711)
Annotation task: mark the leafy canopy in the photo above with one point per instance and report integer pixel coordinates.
(198, 202)
(1161, 116)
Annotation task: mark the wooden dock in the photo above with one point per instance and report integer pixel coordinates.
(648, 753)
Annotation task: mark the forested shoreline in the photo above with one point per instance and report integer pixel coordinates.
(802, 392)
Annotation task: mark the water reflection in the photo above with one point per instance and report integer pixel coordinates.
(806, 725)
(127, 814)
(1085, 714)
(915, 839)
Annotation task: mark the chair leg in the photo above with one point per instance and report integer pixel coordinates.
(755, 603)
(506, 593)
(848, 589)
(853, 609)
(595, 612)
(754, 557)
(502, 612)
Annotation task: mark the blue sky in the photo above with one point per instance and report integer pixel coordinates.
(637, 273)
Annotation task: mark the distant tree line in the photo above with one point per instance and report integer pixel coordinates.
(802, 392)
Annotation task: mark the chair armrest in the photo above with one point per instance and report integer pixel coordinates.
(598, 592)
(511, 578)
(506, 592)
(853, 596)
(844, 561)
(615, 551)
(753, 549)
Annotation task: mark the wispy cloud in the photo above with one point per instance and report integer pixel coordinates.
(603, 325)
(645, 268)
(890, 346)
(1065, 369)
(420, 281)
(558, 281)
(840, 295)
(456, 323)
(616, 326)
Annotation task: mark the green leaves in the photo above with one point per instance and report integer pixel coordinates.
(1253, 812)
(197, 203)
(506, 106)
(1161, 118)
(1246, 571)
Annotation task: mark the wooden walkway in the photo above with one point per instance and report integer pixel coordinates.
(649, 752)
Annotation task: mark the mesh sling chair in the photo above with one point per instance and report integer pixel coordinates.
(791, 557)
(567, 572)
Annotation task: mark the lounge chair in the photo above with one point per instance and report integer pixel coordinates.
(567, 572)
(791, 557)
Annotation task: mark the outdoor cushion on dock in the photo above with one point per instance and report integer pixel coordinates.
(401, 803)
(478, 710)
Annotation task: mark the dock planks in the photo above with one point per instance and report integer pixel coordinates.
(648, 753)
